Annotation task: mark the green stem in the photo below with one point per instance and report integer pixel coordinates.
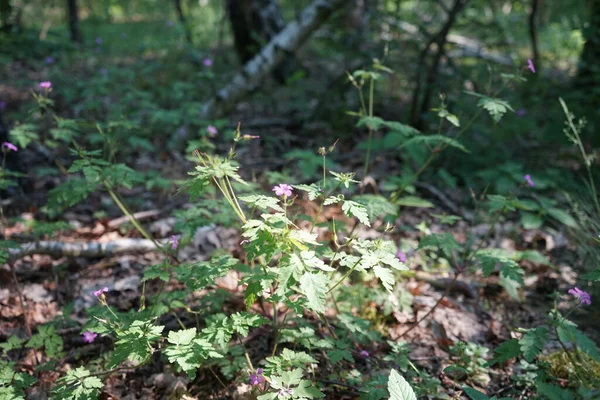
(345, 276)
(246, 354)
(324, 178)
(131, 217)
(433, 155)
(368, 156)
(239, 208)
(583, 153)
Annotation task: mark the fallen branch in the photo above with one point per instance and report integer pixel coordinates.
(285, 42)
(84, 249)
(466, 47)
(445, 200)
(459, 286)
(115, 223)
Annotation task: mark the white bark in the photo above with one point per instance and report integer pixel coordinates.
(285, 42)
(84, 249)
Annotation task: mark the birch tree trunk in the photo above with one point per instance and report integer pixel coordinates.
(262, 64)
(254, 23)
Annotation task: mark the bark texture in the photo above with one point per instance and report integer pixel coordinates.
(85, 249)
(73, 16)
(254, 23)
(284, 43)
(589, 63)
(182, 20)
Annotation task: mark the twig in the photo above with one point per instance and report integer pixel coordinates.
(115, 223)
(432, 309)
(24, 309)
(446, 202)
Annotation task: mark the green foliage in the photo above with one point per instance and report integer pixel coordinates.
(398, 387)
(506, 351)
(48, 339)
(443, 241)
(13, 384)
(314, 287)
(135, 342)
(533, 341)
(438, 141)
(78, 384)
(188, 352)
(290, 385)
(495, 107)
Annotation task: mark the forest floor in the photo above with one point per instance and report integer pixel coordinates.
(40, 288)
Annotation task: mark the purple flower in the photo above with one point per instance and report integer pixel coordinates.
(100, 292)
(10, 146)
(364, 353)
(169, 23)
(401, 256)
(89, 337)
(283, 190)
(207, 62)
(257, 378)
(531, 66)
(2, 105)
(212, 131)
(46, 85)
(103, 72)
(98, 40)
(521, 112)
(583, 297)
(529, 180)
(49, 60)
(174, 242)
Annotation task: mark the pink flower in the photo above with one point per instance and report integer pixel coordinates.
(89, 337)
(364, 353)
(174, 242)
(257, 378)
(401, 256)
(243, 242)
(46, 85)
(529, 180)
(283, 190)
(10, 146)
(531, 66)
(583, 297)
(100, 292)
(212, 131)
(207, 62)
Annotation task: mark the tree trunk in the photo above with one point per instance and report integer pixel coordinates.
(419, 107)
(533, 35)
(73, 16)
(283, 44)
(5, 15)
(589, 63)
(182, 20)
(254, 24)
